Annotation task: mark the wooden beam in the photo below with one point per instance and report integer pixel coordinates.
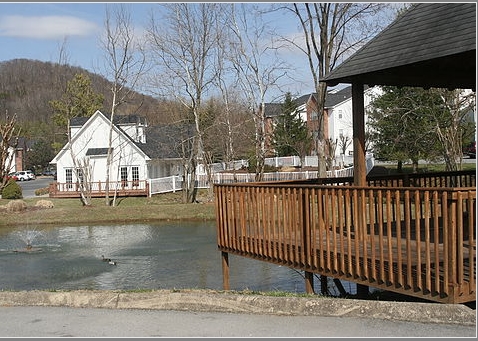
(360, 170)
(309, 282)
(358, 120)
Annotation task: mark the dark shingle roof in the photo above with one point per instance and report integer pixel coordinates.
(97, 151)
(430, 45)
(272, 109)
(165, 142)
(78, 121)
(336, 97)
(126, 119)
(117, 119)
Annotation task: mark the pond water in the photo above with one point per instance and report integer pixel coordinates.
(169, 255)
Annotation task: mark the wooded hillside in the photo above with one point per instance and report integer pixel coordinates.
(27, 86)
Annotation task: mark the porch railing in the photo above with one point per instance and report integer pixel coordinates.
(98, 188)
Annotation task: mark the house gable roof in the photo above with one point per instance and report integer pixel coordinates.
(430, 45)
(303, 99)
(98, 115)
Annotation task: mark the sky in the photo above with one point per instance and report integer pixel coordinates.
(40, 30)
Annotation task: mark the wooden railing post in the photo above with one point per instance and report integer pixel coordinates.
(452, 242)
(306, 239)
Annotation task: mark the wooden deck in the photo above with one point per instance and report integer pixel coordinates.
(414, 241)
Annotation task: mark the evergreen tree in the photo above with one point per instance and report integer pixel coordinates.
(40, 155)
(407, 123)
(79, 100)
(291, 135)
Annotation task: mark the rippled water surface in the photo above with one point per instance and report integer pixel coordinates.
(149, 256)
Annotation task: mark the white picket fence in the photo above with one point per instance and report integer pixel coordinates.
(174, 183)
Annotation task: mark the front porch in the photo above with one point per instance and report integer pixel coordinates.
(98, 189)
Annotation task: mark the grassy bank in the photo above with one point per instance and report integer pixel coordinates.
(127, 210)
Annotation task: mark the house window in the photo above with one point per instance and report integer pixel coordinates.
(340, 114)
(341, 132)
(314, 116)
(124, 176)
(69, 178)
(135, 175)
(79, 175)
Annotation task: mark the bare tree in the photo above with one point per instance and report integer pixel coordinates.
(331, 147)
(63, 56)
(184, 49)
(79, 100)
(257, 67)
(449, 126)
(125, 64)
(231, 123)
(8, 142)
(343, 143)
(331, 32)
(82, 171)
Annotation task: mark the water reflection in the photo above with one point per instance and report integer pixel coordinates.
(149, 256)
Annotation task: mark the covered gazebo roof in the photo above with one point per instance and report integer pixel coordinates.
(429, 45)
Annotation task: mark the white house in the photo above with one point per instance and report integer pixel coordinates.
(338, 106)
(14, 160)
(338, 113)
(10, 165)
(89, 143)
(135, 159)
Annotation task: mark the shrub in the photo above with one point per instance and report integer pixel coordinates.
(44, 204)
(12, 190)
(16, 206)
(42, 191)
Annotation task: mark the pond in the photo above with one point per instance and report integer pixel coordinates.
(169, 255)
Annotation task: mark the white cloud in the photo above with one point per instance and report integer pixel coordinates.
(45, 27)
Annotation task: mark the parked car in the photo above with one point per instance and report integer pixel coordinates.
(470, 150)
(31, 174)
(23, 176)
(12, 176)
(49, 173)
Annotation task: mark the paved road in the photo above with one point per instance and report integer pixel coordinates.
(29, 187)
(90, 322)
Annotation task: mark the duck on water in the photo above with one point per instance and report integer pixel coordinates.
(112, 262)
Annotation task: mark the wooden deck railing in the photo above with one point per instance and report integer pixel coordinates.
(98, 189)
(416, 241)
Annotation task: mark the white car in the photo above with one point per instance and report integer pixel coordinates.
(30, 174)
(24, 175)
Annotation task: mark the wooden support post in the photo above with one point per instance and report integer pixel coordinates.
(360, 170)
(225, 270)
(358, 121)
(309, 282)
